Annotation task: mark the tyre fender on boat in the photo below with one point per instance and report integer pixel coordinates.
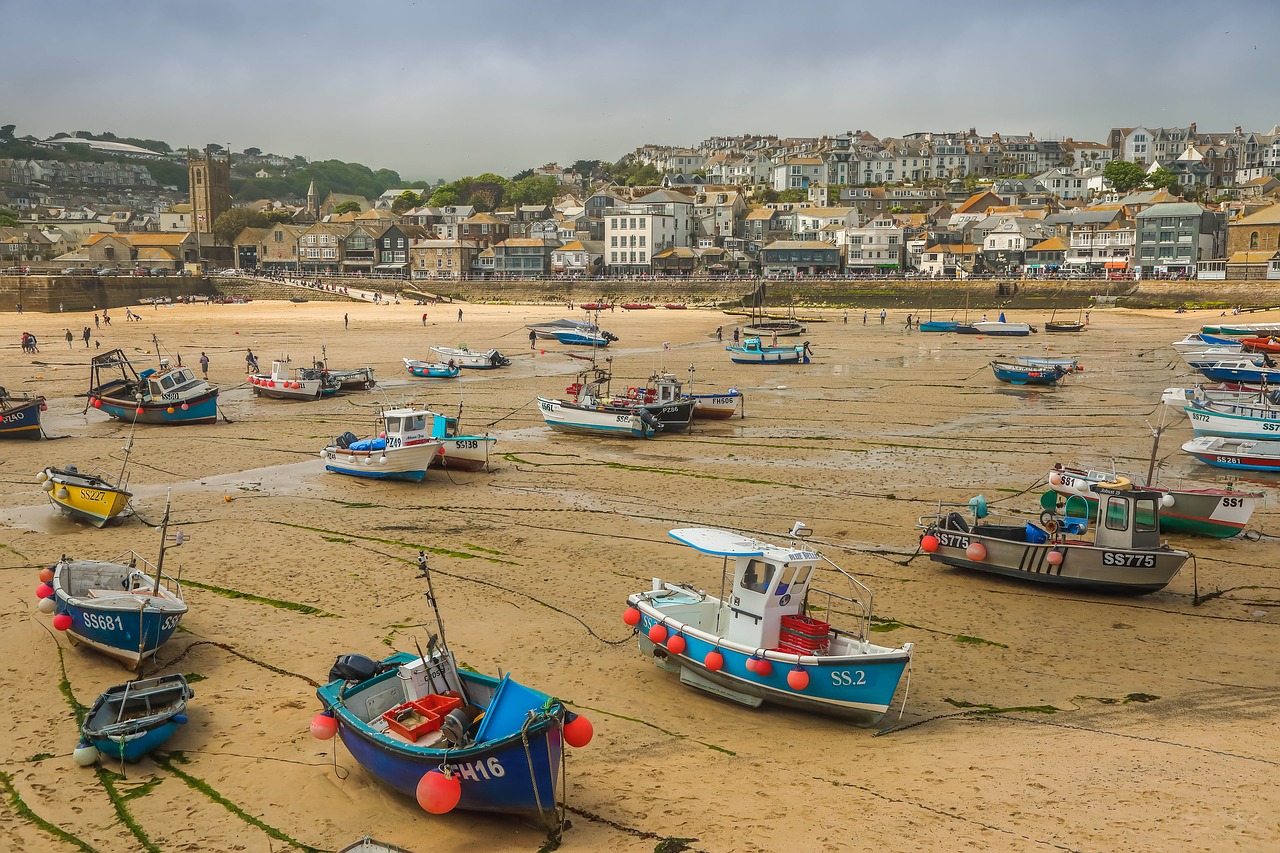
(1118, 483)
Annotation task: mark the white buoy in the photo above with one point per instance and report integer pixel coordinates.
(47, 605)
(41, 477)
(323, 455)
(62, 493)
(85, 754)
(47, 485)
(1167, 501)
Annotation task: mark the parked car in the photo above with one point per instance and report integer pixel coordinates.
(104, 271)
(160, 271)
(142, 271)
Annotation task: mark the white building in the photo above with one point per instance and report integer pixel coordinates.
(1064, 183)
(658, 221)
(797, 173)
(176, 219)
(878, 245)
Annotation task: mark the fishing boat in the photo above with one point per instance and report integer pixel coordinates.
(1124, 554)
(125, 608)
(463, 357)
(451, 737)
(459, 451)
(1201, 341)
(348, 379)
(591, 410)
(168, 395)
(1027, 374)
(20, 414)
(1051, 326)
(636, 306)
(1240, 370)
(132, 719)
(1256, 417)
(1213, 356)
(1178, 398)
(664, 396)
(547, 331)
(782, 327)
(996, 329)
(279, 385)
(1070, 365)
(596, 306)
(1235, 453)
(430, 370)
(1217, 513)
(753, 351)
(372, 845)
(1241, 330)
(574, 338)
(762, 641)
(402, 450)
(1268, 343)
(719, 406)
(86, 497)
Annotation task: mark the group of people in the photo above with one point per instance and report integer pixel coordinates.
(29, 343)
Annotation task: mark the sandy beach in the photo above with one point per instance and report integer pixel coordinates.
(1146, 723)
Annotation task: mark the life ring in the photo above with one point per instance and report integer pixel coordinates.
(1118, 483)
(632, 392)
(1046, 518)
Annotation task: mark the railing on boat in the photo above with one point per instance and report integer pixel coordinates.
(861, 610)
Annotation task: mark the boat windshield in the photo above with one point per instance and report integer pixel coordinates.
(415, 423)
(757, 576)
(1145, 516)
(393, 425)
(1117, 513)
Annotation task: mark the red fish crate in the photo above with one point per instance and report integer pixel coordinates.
(412, 720)
(802, 635)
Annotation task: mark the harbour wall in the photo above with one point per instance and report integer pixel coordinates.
(49, 293)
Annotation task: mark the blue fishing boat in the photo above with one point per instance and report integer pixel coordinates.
(20, 415)
(451, 738)
(1027, 374)
(169, 395)
(125, 608)
(938, 326)
(131, 719)
(431, 370)
(761, 643)
(753, 351)
(580, 338)
(1241, 370)
(1070, 365)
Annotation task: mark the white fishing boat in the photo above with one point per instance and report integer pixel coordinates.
(475, 359)
(402, 450)
(996, 329)
(1214, 356)
(1202, 341)
(279, 385)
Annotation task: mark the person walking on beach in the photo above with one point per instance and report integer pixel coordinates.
(96, 324)
(204, 365)
(533, 339)
(346, 322)
(883, 315)
(250, 362)
(864, 318)
(424, 318)
(908, 321)
(69, 338)
(720, 333)
(846, 318)
(459, 315)
(775, 340)
(106, 318)
(86, 335)
(735, 336)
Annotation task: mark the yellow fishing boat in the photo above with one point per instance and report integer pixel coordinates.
(87, 497)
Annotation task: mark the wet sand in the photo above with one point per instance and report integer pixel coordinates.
(1134, 723)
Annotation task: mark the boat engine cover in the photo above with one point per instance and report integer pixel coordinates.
(355, 667)
(345, 440)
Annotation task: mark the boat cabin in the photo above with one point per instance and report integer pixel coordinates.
(664, 388)
(166, 384)
(405, 427)
(1127, 518)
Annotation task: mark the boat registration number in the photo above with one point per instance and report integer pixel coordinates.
(622, 419)
(1230, 460)
(1068, 481)
(1199, 416)
(171, 622)
(484, 768)
(1231, 502)
(467, 444)
(953, 540)
(848, 678)
(102, 622)
(547, 407)
(92, 495)
(393, 443)
(1111, 558)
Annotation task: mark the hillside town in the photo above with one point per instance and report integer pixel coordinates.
(1148, 202)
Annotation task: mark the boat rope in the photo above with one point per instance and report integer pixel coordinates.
(338, 770)
(512, 412)
(553, 829)
(229, 648)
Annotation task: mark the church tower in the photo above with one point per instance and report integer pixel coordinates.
(313, 202)
(210, 178)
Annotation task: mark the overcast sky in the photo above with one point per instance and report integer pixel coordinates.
(445, 89)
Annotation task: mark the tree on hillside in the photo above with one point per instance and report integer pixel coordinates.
(533, 190)
(229, 225)
(521, 175)
(252, 152)
(6, 132)
(486, 195)
(407, 200)
(768, 195)
(1162, 179)
(1124, 176)
(278, 216)
(347, 207)
(8, 217)
(791, 195)
(443, 197)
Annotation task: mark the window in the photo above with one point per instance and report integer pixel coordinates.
(757, 576)
(1253, 240)
(633, 222)
(613, 223)
(1166, 236)
(642, 222)
(1117, 513)
(642, 260)
(613, 241)
(613, 257)
(641, 240)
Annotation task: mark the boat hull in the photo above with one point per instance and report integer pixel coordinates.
(400, 463)
(938, 326)
(781, 329)
(1247, 422)
(489, 360)
(1216, 513)
(427, 370)
(767, 355)
(716, 407)
(1064, 327)
(130, 742)
(578, 339)
(95, 503)
(22, 421)
(129, 636)
(516, 775)
(1016, 374)
(1083, 566)
(202, 409)
(1235, 454)
(1241, 374)
(583, 420)
(857, 688)
(464, 453)
(283, 389)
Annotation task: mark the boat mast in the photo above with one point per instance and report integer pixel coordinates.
(1155, 446)
(164, 542)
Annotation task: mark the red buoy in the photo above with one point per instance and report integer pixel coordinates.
(976, 552)
(751, 664)
(630, 616)
(323, 726)
(714, 661)
(1054, 558)
(578, 731)
(62, 621)
(928, 543)
(677, 644)
(797, 679)
(658, 632)
(46, 575)
(138, 411)
(438, 793)
(44, 591)
(763, 667)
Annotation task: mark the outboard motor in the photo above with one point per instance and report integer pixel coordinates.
(345, 440)
(455, 725)
(609, 336)
(355, 667)
(648, 419)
